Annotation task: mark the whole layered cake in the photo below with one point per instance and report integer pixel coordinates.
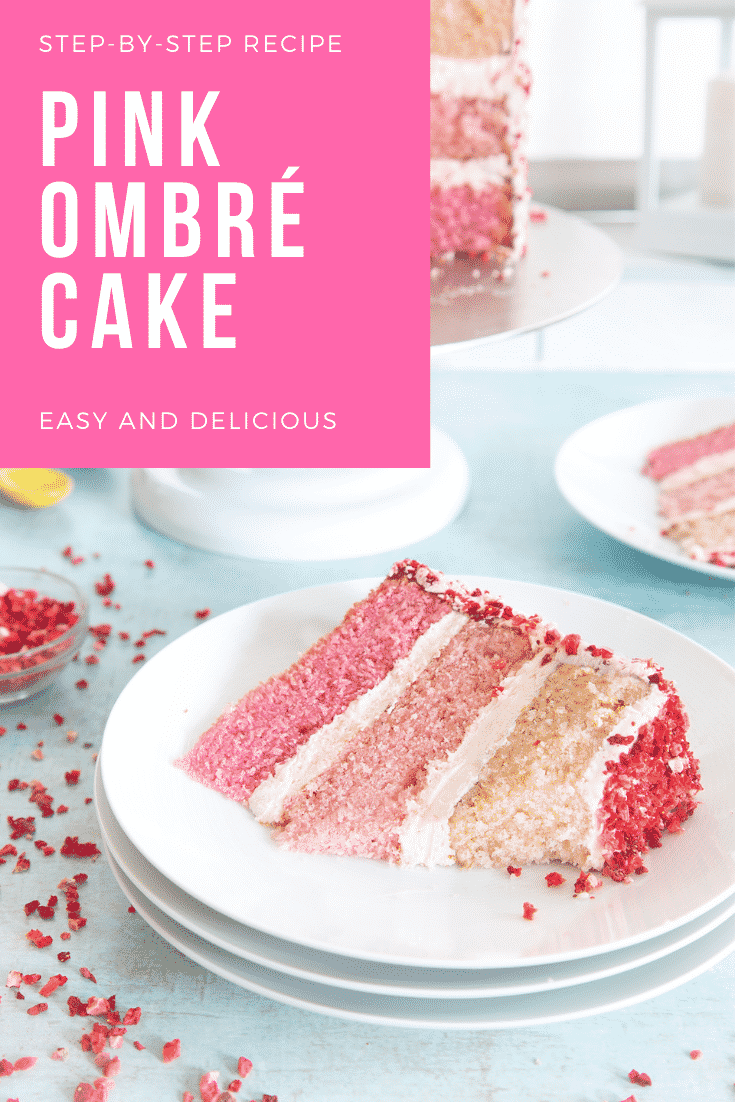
(436, 726)
(696, 478)
(479, 91)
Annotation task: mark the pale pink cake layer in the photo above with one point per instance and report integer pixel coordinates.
(357, 805)
(265, 728)
(697, 496)
(463, 127)
(469, 221)
(672, 457)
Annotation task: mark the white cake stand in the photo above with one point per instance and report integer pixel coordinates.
(290, 515)
(569, 265)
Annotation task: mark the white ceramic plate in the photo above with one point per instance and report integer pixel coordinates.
(516, 1010)
(372, 976)
(598, 470)
(214, 849)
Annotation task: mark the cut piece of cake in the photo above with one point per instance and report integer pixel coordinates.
(479, 91)
(696, 480)
(436, 726)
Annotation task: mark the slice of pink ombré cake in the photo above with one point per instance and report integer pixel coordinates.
(437, 726)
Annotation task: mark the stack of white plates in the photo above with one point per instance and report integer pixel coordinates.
(431, 948)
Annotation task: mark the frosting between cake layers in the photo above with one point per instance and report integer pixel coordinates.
(475, 78)
(326, 744)
(424, 833)
(477, 173)
(702, 468)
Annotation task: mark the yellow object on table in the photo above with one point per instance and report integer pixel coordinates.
(34, 487)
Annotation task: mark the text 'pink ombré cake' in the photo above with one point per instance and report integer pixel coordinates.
(697, 493)
(436, 726)
(479, 91)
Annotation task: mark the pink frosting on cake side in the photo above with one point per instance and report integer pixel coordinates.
(464, 127)
(357, 805)
(247, 742)
(681, 453)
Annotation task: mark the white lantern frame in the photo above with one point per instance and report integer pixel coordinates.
(681, 225)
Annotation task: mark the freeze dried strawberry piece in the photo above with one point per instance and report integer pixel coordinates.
(270, 1098)
(72, 847)
(91, 660)
(84, 1092)
(29, 908)
(76, 924)
(22, 828)
(138, 658)
(39, 940)
(188, 1097)
(105, 587)
(695, 1053)
(202, 614)
(13, 784)
(64, 935)
(138, 1045)
(513, 872)
(32, 978)
(639, 1078)
(14, 979)
(244, 1066)
(208, 1086)
(171, 1051)
(76, 1006)
(529, 911)
(63, 957)
(37, 1009)
(62, 810)
(87, 974)
(60, 1054)
(6, 1068)
(234, 1086)
(97, 1005)
(58, 719)
(24, 1062)
(72, 777)
(132, 1016)
(81, 683)
(571, 643)
(52, 983)
(46, 912)
(554, 879)
(8, 851)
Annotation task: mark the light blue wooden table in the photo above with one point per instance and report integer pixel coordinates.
(515, 525)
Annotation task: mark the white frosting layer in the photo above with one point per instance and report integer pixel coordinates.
(479, 172)
(424, 833)
(326, 744)
(727, 505)
(703, 468)
(475, 78)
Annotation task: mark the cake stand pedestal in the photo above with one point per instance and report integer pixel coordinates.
(569, 265)
(290, 515)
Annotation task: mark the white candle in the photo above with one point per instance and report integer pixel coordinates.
(717, 170)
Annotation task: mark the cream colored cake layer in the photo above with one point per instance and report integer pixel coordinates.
(536, 798)
(325, 745)
(471, 28)
(706, 535)
(489, 78)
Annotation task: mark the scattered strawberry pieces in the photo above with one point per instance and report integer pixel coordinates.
(513, 872)
(171, 1051)
(554, 879)
(91, 660)
(38, 939)
(529, 911)
(72, 847)
(234, 1086)
(22, 828)
(139, 1046)
(87, 974)
(6, 1068)
(14, 979)
(132, 1016)
(63, 957)
(244, 1067)
(81, 683)
(639, 1078)
(105, 587)
(97, 1005)
(39, 1008)
(51, 985)
(149, 563)
(695, 1053)
(58, 719)
(188, 1097)
(60, 1054)
(208, 1086)
(138, 658)
(202, 614)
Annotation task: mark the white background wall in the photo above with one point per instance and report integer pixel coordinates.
(587, 60)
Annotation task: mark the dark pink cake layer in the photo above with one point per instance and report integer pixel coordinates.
(697, 496)
(464, 127)
(246, 743)
(357, 805)
(469, 221)
(672, 457)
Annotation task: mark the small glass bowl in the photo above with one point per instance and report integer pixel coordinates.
(30, 671)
